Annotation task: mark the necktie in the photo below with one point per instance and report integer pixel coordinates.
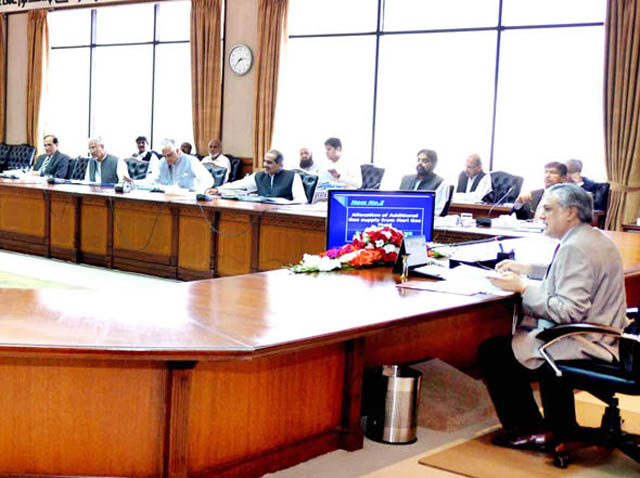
(43, 168)
(171, 172)
(552, 259)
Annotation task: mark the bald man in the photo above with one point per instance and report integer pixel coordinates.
(216, 158)
(473, 182)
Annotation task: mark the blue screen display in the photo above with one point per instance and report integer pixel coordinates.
(350, 212)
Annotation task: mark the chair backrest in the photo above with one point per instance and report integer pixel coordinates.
(309, 181)
(445, 209)
(501, 181)
(4, 155)
(70, 167)
(600, 193)
(217, 173)
(79, 168)
(21, 156)
(371, 176)
(137, 168)
(629, 350)
(236, 167)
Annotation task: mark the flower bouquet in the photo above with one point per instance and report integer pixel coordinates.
(376, 245)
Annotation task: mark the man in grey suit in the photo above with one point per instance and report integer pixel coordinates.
(583, 283)
(53, 162)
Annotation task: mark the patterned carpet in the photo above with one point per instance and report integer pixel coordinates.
(9, 280)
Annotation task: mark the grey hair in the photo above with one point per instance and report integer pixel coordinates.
(574, 165)
(168, 142)
(96, 139)
(571, 195)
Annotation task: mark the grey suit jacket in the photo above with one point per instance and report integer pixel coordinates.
(585, 283)
(57, 167)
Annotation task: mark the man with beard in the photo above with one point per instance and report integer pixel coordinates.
(216, 158)
(426, 179)
(306, 162)
(274, 181)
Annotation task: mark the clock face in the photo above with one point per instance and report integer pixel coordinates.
(240, 59)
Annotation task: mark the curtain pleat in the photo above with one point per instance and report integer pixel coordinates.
(37, 64)
(622, 110)
(272, 35)
(206, 71)
(3, 93)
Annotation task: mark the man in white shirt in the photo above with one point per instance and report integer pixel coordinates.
(217, 159)
(103, 167)
(337, 171)
(274, 181)
(180, 169)
(145, 154)
(306, 162)
(473, 182)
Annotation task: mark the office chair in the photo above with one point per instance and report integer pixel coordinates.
(600, 193)
(371, 176)
(217, 173)
(236, 168)
(445, 209)
(601, 379)
(21, 157)
(309, 182)
(501, 181)
(137, 168)
(79, 168)
(4, 155)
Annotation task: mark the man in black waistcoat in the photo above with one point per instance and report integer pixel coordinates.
(426, 180)
(473, 182)
(53, 162)
(274, 181)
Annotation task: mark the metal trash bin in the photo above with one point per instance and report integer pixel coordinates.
(392, 400)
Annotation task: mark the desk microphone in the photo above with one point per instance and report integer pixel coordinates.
(486, 221)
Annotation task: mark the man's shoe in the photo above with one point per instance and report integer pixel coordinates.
(542, 441)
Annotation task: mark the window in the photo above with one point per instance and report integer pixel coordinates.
(119, 72)
(517, 81)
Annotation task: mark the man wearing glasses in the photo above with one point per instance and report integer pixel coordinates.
(180, 169)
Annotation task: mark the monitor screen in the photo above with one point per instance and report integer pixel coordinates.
(353, 211)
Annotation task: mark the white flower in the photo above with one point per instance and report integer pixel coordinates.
(323, 264)
(390, 248)
(348, 257)
(379, 243)
(386, 234)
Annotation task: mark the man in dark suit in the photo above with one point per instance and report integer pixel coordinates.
(583, 283)
(574, 172)
(53, 162)
(528, 204)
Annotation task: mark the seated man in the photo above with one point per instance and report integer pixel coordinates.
(145, 154)
(103, 167)
(425, 179)
(180, 169)
(306, 162)
(336, 170)
(53, 162)
(583, 283)
(274, 181)
(528, 204)
(473, 182)
(216, 158)
(186, 147)
(574, 173)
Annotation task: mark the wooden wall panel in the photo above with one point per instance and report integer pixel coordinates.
(284, 241)
(142, 228)
(235, 241)
(22, 211)
(94, 226)
(242, 408)
(62, 220)
(64, 417)
(194, 247)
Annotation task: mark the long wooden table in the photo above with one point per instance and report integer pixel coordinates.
(237, 376)
(160, 234)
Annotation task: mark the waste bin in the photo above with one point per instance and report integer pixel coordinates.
(392, 396)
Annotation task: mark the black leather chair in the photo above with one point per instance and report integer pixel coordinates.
(600, 193)
(236, 168)
(309, 181)
(137, 168)
(4, 155)
(20, 157)
(445, 209)
(501, 181)
(78, 168)
(371, 176)
(601, 379)
(217, 173)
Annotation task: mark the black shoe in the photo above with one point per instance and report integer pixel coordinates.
(542, 441)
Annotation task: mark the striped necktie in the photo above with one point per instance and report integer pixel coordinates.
(43, 168)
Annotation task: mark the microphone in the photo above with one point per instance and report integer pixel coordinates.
(486, 221)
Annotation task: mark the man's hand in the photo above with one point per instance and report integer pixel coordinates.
(509, 281)
(524, 197)
(513, 266)
(334, 173)
(211, 191)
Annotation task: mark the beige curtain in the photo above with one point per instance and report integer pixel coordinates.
(272, 35)
(206, 71)
(3, 93)
(622, 110)
(37, 64)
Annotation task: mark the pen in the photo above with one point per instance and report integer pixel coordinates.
(500, 246)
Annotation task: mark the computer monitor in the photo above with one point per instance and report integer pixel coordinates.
(352, 211)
